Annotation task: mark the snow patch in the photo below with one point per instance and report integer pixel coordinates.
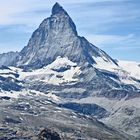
(103, 63)
(51, 74)
(53, 96)
(127, 71)
(131, 67)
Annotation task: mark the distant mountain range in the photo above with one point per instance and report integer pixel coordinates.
(61, 80)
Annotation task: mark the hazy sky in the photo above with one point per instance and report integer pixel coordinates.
(112, 25)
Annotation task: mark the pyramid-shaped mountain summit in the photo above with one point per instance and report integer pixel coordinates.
(58, 9)
(57, 36)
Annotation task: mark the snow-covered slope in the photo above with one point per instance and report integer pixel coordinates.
(132, 67)
(103, 64)
(128, 72)
(62, 70)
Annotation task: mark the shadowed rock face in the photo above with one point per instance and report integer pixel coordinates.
(87, 109)
(48, 134)
(8, 84)
(58, 9)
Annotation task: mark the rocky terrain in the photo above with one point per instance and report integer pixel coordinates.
(23, 118)
(63, 84)
(7, 59)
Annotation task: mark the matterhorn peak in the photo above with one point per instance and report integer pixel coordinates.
(57, 9)
(57, 36)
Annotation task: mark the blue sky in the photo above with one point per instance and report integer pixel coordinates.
(112, 25)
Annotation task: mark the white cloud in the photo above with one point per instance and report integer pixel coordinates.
(18, 11)
(116, 42)
(100, 39)
(22, 11)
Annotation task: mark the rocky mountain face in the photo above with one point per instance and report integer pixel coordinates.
(62, 79)
(8, 59)
(57, 36)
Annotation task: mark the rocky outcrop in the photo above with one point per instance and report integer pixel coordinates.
(87, 109)
(48, 134)
(8, 59)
